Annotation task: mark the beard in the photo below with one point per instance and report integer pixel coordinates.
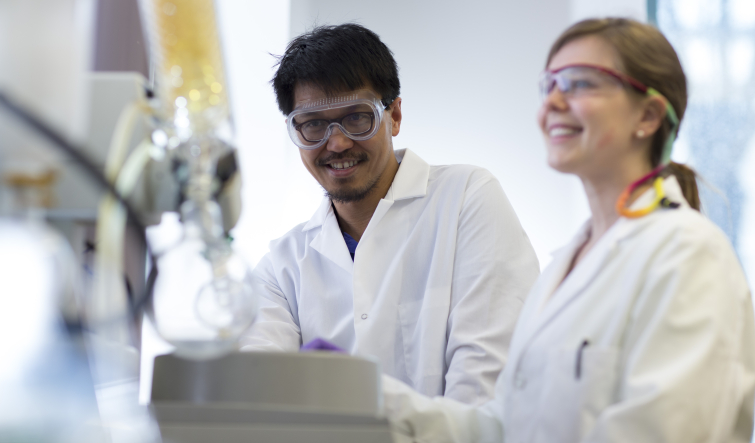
(346, 193)
(352, 194)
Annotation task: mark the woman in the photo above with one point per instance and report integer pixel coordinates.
(641, 329)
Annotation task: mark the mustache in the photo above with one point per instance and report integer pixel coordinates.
(341, 156)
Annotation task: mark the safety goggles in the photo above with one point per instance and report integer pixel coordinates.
(579, 80)
(585, 80)
(357, 115)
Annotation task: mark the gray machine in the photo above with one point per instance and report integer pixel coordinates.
(263, 397)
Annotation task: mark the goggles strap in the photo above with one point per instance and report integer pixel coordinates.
(674, 120)
(660, 197)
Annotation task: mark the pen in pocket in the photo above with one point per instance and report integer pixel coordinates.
(578, 368)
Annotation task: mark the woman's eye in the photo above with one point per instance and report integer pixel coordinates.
(582, 84)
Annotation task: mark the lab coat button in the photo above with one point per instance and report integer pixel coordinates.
(364, 316)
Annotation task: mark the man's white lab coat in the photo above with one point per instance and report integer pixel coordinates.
(649, 339)
(435, 288)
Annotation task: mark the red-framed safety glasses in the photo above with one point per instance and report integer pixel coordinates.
(584, 79)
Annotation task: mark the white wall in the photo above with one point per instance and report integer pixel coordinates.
(582, 9)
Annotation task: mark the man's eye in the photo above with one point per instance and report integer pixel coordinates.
(313, 124)
(357, 117)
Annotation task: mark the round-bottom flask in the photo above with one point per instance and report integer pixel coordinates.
(203, 297)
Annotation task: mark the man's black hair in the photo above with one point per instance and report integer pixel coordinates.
(336, 59)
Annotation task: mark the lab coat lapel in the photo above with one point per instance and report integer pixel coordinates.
(382, 209)
(329, 241)
(544, 291)
(562, 259)
(410, 182)
(582, 274)
(579, 278)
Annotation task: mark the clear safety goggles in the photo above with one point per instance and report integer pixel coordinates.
(357, 115)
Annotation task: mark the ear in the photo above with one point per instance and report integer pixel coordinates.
(653, 114)
(395, 110)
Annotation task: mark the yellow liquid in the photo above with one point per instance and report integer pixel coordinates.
(189, 61)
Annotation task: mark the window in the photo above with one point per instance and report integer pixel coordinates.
(715, 40)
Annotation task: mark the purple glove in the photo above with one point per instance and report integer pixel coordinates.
(319, 344)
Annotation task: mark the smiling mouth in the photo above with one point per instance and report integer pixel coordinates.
(343, 165)
(563, 131)
(339, 162)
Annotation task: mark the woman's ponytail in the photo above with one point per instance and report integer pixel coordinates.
(687, 179)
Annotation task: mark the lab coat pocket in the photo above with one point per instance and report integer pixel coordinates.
(423, 330)
(579, 384)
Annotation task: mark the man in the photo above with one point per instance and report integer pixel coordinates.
(424, 267)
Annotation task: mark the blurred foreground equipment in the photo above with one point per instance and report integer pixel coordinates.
(270, 397)
(87, 162)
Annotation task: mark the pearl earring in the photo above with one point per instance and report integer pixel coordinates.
(640, 133)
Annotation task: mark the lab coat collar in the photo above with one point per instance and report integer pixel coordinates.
(558, 292)
(670, 187)
(410, 182)
(411, 177)
(325, 208)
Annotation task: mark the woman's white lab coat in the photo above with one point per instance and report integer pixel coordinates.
(650, 338)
